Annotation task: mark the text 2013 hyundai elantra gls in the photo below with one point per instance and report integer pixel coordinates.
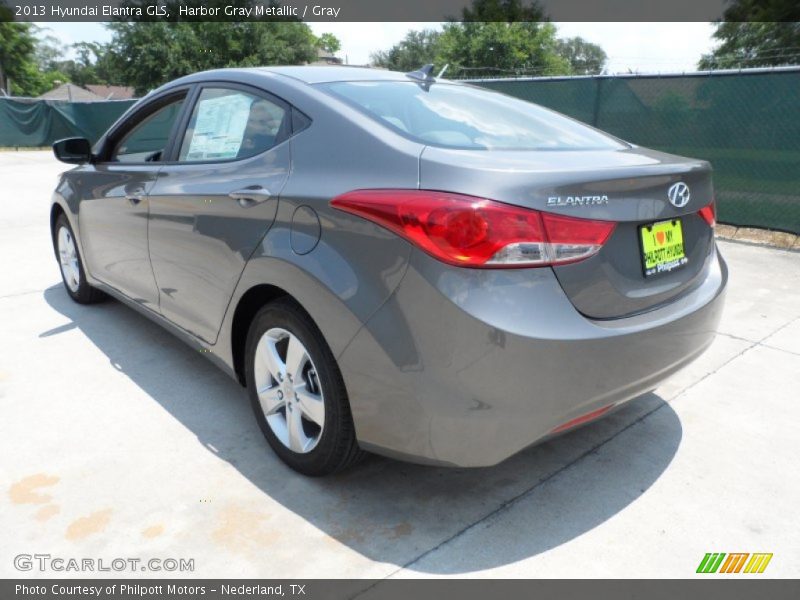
(394, 263)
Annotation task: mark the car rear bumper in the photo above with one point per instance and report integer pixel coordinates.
(467, 367)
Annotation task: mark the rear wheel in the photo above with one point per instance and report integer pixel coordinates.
(71, 265)
(297, 392)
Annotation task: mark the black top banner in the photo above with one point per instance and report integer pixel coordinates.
(382, 10)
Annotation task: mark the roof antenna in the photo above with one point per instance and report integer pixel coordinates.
(422, 74)
(444, 68)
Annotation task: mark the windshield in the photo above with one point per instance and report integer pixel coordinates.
(457, 116)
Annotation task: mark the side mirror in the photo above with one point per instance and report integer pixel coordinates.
(75, 151)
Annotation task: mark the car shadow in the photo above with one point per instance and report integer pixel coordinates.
(386, 510)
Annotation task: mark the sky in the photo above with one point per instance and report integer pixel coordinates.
(638, 47)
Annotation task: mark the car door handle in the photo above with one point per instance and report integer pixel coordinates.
(251, 195)
(133, 199)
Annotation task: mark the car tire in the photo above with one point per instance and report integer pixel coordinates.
(300, 402)
(70, 263)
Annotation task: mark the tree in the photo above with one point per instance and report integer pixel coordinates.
(28, 66)
(416, 49)
(146, 55)
(91, 65)
(329, 43)
(755, 33)
(502, 35)
(584, 57)
(48, 53)
(150, 51)
(505, 36)
(485, 48)
(17, 47)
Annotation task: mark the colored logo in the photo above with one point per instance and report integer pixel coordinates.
(736, 562)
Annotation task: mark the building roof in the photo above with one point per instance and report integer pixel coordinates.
(326, 58)
(72, 93)
(112, 92)
(90, 93)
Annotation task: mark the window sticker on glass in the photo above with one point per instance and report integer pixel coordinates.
(219, 127)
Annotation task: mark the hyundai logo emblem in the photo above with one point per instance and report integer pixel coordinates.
(679, 194)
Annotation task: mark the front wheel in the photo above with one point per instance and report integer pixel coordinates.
(69, 260)
(297, 392)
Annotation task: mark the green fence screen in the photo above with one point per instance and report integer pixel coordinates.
(746, 124)
(32, 123)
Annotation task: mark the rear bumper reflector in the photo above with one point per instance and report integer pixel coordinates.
(595, 414)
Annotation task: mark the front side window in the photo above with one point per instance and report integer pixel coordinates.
(457, 116)
(148, 139)
(228, 124)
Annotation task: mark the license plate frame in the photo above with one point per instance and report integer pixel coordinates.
(667, 256)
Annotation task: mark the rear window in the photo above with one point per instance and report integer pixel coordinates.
(456, 116)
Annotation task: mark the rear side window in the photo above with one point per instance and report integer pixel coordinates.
(146, 141)
(228, 124)
(455, 116)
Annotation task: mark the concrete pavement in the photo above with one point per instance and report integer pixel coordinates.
(119, 441)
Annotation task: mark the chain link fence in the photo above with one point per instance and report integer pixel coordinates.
(746, 123)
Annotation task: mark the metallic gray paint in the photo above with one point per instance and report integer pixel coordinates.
(201, 238)
(113, 226)
(442, 364)
(467, 367)
(635, 180)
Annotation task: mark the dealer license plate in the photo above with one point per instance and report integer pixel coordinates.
(662, 247)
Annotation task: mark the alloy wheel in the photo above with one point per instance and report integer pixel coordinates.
(68, 259)
(288, 390)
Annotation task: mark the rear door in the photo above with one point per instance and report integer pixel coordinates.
(215, 200)
(114, 210)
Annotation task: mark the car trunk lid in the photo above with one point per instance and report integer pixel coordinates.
(629, 187)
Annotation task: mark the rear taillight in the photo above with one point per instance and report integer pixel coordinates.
(475, 232)
(709, 214)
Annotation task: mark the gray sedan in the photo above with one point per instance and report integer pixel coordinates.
(394, 263)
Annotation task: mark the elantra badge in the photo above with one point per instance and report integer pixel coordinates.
(577, 200)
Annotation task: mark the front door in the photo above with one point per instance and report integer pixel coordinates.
(113, 214)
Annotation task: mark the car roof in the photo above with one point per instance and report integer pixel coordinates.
(302, 75)
(327, 74)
